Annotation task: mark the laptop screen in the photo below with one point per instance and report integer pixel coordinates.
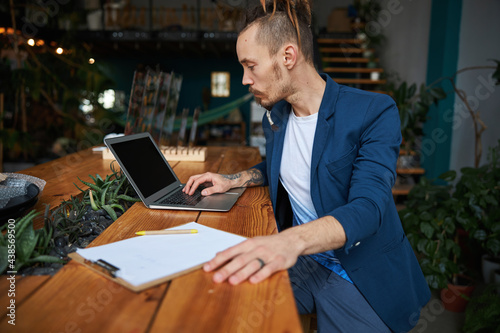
(145, 166)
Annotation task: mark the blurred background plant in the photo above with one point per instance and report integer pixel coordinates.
(414, 106)
(432, 229)
(50, 91)
(450, 226)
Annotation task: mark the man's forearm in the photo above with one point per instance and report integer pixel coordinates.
(247, 178)
(317, 236)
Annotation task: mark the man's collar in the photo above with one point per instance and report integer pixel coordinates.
(327, 106)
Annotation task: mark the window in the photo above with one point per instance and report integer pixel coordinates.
(220, 84)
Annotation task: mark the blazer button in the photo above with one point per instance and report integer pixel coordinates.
(357, 243)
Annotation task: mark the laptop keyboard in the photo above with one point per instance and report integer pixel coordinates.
(181, 198)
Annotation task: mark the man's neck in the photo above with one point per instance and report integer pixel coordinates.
(309, 90)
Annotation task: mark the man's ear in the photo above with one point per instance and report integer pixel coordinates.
(290, 56)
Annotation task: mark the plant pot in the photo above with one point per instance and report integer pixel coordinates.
(407, 161)
(375, 76)
(456, 296)
(489, 265)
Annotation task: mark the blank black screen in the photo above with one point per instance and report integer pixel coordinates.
(144, 164)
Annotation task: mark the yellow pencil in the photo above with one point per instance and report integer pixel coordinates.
(166, 232)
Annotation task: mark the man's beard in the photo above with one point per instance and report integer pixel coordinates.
(258, 100)
(283, 89)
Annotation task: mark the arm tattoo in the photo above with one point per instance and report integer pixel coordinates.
(255, 175)
(233, 176)
(256, 178)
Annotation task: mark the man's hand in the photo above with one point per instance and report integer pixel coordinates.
(220, 183)
(223, 183)
(277, 252)
(241, 262)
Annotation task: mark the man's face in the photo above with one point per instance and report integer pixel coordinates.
(261, 72)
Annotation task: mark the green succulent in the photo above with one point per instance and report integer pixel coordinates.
(31, 246)
(110, 193)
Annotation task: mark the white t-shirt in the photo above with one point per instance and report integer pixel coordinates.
(295, 175)
(295, 171)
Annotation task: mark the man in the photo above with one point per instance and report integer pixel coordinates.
(330, 164)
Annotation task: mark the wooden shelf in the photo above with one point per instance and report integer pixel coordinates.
(339, 41)
(352, 70)
(402, 189)
(359, 81)
(400, 207)
(343, 50)
(348, 60)
(410, 171)
(406, 152)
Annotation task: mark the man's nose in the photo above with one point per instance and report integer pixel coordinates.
(246, 80)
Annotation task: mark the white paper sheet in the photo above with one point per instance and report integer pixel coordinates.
(143, 259)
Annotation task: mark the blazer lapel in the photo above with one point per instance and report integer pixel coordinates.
(320, 141)
(280, 118)
(326, 110)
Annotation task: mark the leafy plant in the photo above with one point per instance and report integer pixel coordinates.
(430, 223)
(413, 108)
(74, 223)
(483, 312)
(31, 246)
(434, 214)
(66, 221)
(366, 11)
(43, 90)
(109, 194)
(478, 191)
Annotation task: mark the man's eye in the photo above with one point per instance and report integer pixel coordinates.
(250, 68)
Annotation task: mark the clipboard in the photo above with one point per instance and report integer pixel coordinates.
(93, 266)
(140, 262)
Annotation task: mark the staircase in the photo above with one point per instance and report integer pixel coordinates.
(345, 59)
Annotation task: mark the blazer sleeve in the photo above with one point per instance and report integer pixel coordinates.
(374, 172)
(262, 166)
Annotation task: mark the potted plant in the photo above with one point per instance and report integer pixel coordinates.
(413, 105)
(478, 191)
(432, 228)
(445, 223)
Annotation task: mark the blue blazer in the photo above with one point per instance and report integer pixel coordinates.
(353, 170)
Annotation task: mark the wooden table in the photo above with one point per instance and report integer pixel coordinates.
(79, 300)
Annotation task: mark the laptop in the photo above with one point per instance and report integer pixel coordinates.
(154, 180)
